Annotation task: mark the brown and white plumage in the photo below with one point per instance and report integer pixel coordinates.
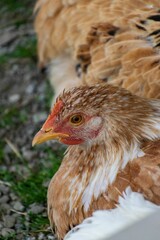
(132, 207)
(114, 41)
(116, 144)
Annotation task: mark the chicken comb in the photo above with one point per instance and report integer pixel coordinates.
(50, 120)
(57, 107)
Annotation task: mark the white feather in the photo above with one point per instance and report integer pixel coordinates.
(107, 172)
(105, 223)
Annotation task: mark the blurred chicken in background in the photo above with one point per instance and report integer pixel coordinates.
(93, 41)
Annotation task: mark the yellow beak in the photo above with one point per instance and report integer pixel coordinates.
(45, 135)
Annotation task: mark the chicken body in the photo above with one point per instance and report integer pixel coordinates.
(115, 145)
(71, 198)
(113, 41)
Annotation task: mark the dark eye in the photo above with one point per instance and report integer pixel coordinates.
(76, 119)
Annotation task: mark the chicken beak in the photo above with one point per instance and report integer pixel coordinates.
(45, 135)
(47, 131)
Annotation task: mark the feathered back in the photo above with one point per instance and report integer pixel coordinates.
(127, 56)
(115, 41)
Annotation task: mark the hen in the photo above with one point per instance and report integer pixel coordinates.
(115, 144)
(113, 41)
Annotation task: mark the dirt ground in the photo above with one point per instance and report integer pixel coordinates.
(25, 97)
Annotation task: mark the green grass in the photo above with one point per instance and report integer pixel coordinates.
(25, 50)
(13, 5)
(10, 237)
(12, 116)
(38, 222)
(2, 155)
(6, 176)
(16, 12)
(31, 190)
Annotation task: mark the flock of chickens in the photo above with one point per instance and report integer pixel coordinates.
(103, 58)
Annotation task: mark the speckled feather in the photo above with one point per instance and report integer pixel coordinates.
(125, 153)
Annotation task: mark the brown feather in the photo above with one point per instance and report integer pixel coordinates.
(114, 41)
(129, 120)
(142, 175)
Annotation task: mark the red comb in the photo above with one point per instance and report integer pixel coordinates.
(50, 120)
(57, 107)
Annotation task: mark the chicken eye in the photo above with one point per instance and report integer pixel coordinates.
(76, 119)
